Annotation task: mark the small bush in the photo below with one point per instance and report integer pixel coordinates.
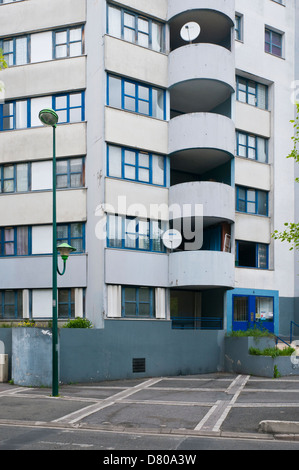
(255, 332)
(27, 323)
(78, 322)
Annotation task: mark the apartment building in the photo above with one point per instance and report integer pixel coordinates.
(172, 116)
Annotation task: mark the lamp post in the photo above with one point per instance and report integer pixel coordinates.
(49, 118)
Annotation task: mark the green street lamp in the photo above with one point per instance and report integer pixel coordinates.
(49, 118)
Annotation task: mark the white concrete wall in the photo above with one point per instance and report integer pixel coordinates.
(37, 143)
(42, 78)
(139, 63)
(137, 131)
(131, 198)
(278, 176)
(36, 207)
(34, 15)
(155, 8)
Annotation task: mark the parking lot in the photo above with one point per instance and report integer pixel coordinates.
(214, 404)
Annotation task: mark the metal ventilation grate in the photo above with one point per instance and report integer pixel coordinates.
(138, 364)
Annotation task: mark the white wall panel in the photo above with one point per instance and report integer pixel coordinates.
(41, 46)
(41, 175)
(41, 239)
(41, 303)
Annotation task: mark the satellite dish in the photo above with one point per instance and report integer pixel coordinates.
(190, 31)
(172, 239)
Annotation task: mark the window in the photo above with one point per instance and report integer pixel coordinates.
(136, 97)
(66, 303)
(251, 255)
(73, 234)
(239, 27)
(251, 92)
(15, 50)
(137, 234)
(70, 173)
(252, 147)
(273, 42)
(251, 201)
(9, 1)
(69, 107)
(136, 165)
(15, 241)
(14, 115)
(68, 42)
(137, 29)
(11, 304)
(15, 178)
(138, 302)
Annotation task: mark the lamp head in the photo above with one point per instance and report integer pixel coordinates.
(64, 249)
(48, 117)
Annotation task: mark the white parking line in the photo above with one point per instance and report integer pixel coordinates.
(213, 420)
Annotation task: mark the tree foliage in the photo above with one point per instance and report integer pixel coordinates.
(3, 64)
(291, 232)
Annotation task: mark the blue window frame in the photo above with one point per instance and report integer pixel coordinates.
(70, 173)
(251, 92)
(252, 147)
(15, 241)
(68, 42)
(15, 50)
(273, 42)
(73, 234)
(138, 302)
(11, 304)
(15, 177)
(15, 115)
(135, 234)
(252, 255)
(251, 201)
(130, 26)
(69, 107)
(136, 97)
(66, 303)
(136, 165)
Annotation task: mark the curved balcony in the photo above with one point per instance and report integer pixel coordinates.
(199, 142)
(216, 20)
(201, 269)
(217, 199)
(201, 77)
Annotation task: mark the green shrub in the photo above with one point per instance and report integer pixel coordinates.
(78, 322)
(256, 332)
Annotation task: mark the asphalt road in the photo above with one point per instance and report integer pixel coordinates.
(171, 414)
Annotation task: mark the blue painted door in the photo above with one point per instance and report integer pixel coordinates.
(251, 311)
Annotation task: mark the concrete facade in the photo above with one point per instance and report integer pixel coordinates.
(155, 132)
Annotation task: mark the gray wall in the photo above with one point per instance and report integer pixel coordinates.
(106, 354)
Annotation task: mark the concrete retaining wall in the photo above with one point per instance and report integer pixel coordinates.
(238, 360)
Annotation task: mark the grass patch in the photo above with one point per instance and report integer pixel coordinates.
(255, 332)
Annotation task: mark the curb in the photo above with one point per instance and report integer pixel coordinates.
(279, 427)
